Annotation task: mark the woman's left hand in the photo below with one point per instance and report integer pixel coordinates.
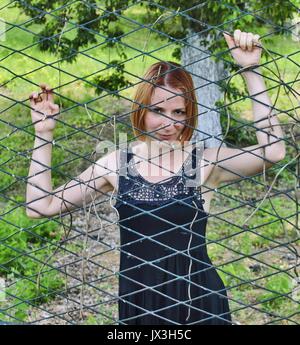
(245, 48)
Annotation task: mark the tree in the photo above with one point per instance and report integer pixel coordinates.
(194, 26)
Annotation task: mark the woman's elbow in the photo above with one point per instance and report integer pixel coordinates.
(33, 214)
(281, 153)
(36, 213)
(278, 155)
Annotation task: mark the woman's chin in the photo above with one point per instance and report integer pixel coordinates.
(169, 142)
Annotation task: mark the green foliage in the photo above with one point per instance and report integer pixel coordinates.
(16, 150)
(25, 246)
(278, 284)
(210, 14)
(114, 77)
(240, 131)
(54, 24)
(107, 313)
(82, 22)
(25, 291)
(245, 244)
(271, 225)
(235, 274)
(24, 241)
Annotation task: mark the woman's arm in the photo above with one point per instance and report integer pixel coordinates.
(41, 200)
(268, 130)
(39, 186)
(232, 164)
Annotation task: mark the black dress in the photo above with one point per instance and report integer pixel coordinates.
(165, 276)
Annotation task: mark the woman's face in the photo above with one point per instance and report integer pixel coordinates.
(166, 114)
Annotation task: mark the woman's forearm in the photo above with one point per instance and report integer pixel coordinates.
(39, 186)
(269, 131)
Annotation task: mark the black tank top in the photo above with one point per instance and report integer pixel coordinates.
(166, 276)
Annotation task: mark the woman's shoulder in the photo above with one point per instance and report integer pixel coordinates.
(107, 164)
(113, 158)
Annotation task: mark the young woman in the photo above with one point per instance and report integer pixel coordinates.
(166, 276)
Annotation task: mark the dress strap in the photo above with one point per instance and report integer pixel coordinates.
(122, 173)
(125, 156)
(192, 167)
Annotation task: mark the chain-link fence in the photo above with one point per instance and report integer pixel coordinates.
(138, 250)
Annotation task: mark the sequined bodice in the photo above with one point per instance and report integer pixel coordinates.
(134, 188)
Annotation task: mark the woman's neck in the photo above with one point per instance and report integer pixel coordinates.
(155, 150)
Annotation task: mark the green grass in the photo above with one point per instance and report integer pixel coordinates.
(26, 261)
(270, 230)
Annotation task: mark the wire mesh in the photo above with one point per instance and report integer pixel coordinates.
(115, 254)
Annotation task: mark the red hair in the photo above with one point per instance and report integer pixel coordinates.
(166, 74)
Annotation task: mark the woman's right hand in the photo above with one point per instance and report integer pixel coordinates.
(44, 111)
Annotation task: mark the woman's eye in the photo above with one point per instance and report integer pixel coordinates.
(177, 112)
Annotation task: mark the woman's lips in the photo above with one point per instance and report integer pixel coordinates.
(165, 136)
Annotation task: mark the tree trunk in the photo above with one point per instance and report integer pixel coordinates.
(205, 70)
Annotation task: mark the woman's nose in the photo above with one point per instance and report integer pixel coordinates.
(168, 121)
